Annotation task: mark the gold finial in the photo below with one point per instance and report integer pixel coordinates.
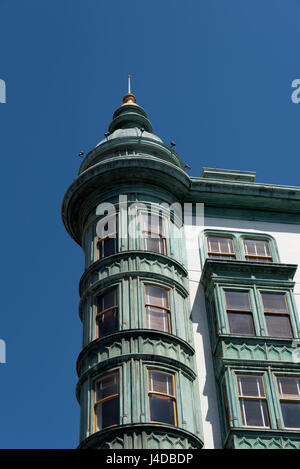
(129, 98)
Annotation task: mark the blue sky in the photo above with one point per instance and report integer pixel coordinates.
(213, 75)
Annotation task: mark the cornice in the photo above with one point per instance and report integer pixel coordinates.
(244, 271)
(255, 197)
(100, 437)
(129, 334)
(131, 255)
(142, 144)
(129, 169)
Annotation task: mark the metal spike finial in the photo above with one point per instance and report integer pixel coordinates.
(129, 98)
(129, 87)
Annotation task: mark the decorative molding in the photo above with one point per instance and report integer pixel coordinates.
(117, 360)
(142, 436)
(135, 341)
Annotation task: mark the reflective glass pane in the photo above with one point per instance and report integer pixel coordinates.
(109, 246)
(153, 224)
(108, 299)
(161, 382)
(291, 414)
(250, 385)
(154, 244)
(162, 410)
(107, 386)
(289, 387)
(158, 319)
(157, 296)
(258, 259)
(257, 248)
(107, 413)
(274, 302)
(237, 300)
(241, 323)
(278, 326)
(220, 256)
(108, 322)
(106, 226)
(220, 245)
(254, 413)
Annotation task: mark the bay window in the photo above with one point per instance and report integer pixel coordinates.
(253, 401)
(162, 397)
(106, 405)
(157, 308)
(107, 312)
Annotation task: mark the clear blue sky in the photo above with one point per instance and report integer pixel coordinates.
(213, 75)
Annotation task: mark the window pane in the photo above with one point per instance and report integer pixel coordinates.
(237, 300)
(108, 299)
(250, 386)
(220, 256)
(153, 224)
(220, 245)
(154, 244)
(158, 319)
(258, 259)
(106, 386)
(109, 246)
(157, 296)
(106, 226)
(107, 413)
(257, 248)
(161, 382)
(274, 302)
(289, 387)
(241, 323)
(162, 410)
(278, 326)
(254, 413)
(291, 414)
(108, 322)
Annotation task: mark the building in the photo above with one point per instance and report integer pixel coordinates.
(189, 299)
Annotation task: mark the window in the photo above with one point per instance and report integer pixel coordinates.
(220, 248)
(108, 242)
(257, 250)
(289, 395)
(107, 312)
(253, 402)
(157, 308)
(276, 314)
(154, 233)
(162, 398)
(239, 312)
(107, 401)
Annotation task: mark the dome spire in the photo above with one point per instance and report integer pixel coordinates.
(129, 98)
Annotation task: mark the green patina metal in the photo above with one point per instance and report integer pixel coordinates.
(132, 160)
(135, 162)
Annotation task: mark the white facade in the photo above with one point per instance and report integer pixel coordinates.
(287, 237)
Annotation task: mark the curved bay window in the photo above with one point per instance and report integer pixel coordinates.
(289, 396)
(107, 230)
(277, 314)
(157, 308)
(162, 397)
(106, 405)
(257, 250)
(107, 312)
(154, 233)
(253, 401)
(239, 312)
(220, 247)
